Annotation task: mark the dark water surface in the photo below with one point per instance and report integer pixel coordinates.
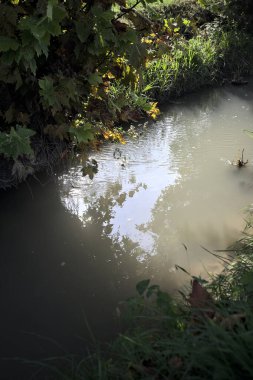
(72, 247)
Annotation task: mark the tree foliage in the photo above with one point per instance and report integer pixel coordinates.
(239, 11)
(57, 62)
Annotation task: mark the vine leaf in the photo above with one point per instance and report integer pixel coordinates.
(83, 133)
(16, 143)
(50, 7)
(47, 91)
(82, 30)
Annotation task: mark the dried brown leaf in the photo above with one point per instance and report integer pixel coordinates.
(199, 297)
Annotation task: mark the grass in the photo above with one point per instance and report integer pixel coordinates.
(178, 341)
(208, 58)
(188, 52)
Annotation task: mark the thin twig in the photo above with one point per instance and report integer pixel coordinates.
(127, 10)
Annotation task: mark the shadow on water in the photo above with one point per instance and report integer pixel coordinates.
(209, 99)
(55, 275)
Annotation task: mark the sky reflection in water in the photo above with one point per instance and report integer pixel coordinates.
(173, 186)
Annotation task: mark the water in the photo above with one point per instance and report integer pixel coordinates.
(72, 248)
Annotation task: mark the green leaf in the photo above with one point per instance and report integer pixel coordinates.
(50, 7)
(33, 65)
(94, 79)
(142, 286)
(7, 43)
(50, 11)
(148, 87)
(33, 26)
(82, 30)
(107, 35)
(54, 28)
(16, 143)
(129, 36)
(101, 14)
(84, 133)
(59, 13)
(186, 22)
(47, 91)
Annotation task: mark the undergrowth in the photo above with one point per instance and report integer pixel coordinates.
(206, 334)
(213, 56)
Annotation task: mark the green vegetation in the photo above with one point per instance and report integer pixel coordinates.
(76, 71)
(200, 61)
(57, 62)
(206, 335)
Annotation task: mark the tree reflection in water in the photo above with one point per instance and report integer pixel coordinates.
(173, 191)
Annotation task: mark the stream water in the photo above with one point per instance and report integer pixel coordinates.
(73, 247)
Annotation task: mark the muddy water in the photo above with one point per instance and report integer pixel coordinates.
(173, 187)
(72, 248)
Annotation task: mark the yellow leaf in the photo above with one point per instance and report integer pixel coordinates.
(146, 40)
(113, 135)
(109, 75)
(94, 90)
(154, 111)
